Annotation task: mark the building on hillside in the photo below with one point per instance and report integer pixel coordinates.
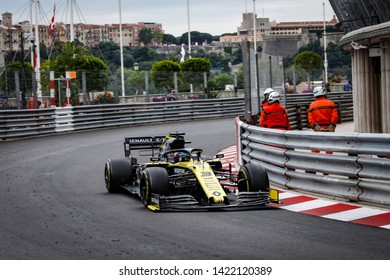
(279, 38)
(246, 31)
(92, 34)
(88, 34)
(6, 19)
(10, 35)
(286, 38)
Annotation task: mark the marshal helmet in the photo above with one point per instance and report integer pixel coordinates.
(319, 91)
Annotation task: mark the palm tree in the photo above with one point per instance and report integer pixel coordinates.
(66, 59)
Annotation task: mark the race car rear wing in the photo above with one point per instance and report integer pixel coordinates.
(153, 143)
(142, 143)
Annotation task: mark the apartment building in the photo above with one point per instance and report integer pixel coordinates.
(10, 35)
(88, 34)
(297, 28)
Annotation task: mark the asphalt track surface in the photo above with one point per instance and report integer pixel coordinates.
(53, 205)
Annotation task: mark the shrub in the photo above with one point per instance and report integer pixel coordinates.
(104, 98)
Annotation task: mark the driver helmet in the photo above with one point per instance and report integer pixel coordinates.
(181, 156)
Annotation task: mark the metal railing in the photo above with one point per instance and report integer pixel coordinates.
(22, 123)
(357, 169)
(35, 122)
(297, 106)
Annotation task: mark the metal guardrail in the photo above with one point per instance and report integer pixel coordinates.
(25, 123)
(297, 106)
(358, 169)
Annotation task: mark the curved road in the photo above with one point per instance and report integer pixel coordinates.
(54, 205)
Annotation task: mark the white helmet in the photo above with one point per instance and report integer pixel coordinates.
(319, 91)
(267, 92)
(273, 97)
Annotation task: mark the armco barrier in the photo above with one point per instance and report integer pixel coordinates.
(24, 123)
(358, 169)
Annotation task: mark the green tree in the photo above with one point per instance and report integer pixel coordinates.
(339, 62)
(193, 70)
(96, 71)
(196, 37)
(142, 53)
(157, 35)
(106, 51)
(169, 39)
(136, 81)
(76, 58)
(220, 80)
(308, 61)
(237, 56)
(66, 59)
(25, 76)
(196, 65)
(162, 73)
(240, 78)
(146, 36)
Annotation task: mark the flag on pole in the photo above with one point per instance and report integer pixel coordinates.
(52, 21)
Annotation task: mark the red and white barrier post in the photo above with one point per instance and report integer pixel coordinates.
(52, 89)
(69, 75)
(67, 92)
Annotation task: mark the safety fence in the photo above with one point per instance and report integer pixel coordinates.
(297, 106)
(105, 87)
(35, 122)
(355, 167)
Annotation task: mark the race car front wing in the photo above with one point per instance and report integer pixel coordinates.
(250, 200)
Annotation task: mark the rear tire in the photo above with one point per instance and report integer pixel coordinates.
(118, 172)
(253, 178)
(153, 180)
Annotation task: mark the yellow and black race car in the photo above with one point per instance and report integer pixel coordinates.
(180, 178)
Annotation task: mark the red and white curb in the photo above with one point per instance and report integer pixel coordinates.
(229, 157)
(321, 207)
(334, 210)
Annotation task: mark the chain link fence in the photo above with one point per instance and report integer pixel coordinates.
(265, 71)
(18, 88)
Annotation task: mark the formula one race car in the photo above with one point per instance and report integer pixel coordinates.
(180, 178)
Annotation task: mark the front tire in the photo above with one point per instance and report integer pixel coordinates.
(153, 180)
(118, 172)
(253, 178)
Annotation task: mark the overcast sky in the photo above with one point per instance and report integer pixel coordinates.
(210, 16)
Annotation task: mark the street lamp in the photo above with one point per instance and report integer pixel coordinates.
(121, 49)
(189, 29)
(325, 51)
(254, 25)
(23, 88)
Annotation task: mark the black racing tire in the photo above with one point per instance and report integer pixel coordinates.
(118, 172)
(153, 180)
(253, 178)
